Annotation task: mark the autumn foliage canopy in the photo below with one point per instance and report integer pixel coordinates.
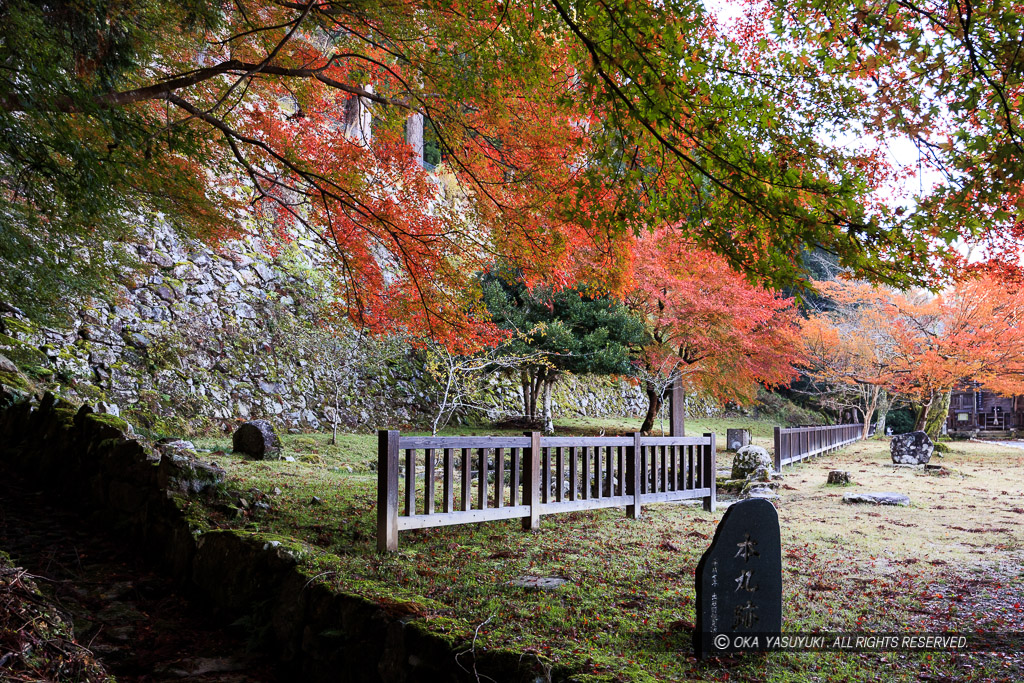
(646, 150)
(563, 131)
(918, 345)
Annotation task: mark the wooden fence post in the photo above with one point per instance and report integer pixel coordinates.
(778, 449)
(387, 491)
(634, 467)
(531, 487)
(708, 467)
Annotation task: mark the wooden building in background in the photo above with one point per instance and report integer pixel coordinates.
(972, 408)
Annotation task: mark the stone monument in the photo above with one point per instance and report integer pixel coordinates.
(739, 582)
(736, 439)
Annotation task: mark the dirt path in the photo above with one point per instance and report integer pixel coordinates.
(135, 621)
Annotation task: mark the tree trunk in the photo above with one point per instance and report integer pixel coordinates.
(549, 423)
(922, 413)
(524, 378)
(884, 402)
(869, 410)
(654, 400)
(334, 421)
(937, 415)
(535, 388)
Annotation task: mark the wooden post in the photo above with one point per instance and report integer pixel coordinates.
(428, 483)
(677, 409)
(708, 467)
(531, 487)
(449, 480)
(481, 491)
(410, 481)
(778, 449)
(467, 467)
(499, 477)
(634, 467)
(387, 491)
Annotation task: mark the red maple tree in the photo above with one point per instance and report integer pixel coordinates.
(710, 328)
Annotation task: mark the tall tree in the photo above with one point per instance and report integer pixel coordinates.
(849, 350)
(708, 326)
(974, 332)
(574, 329)
(919, 345)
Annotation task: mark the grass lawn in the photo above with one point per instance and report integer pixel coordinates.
(950, 561)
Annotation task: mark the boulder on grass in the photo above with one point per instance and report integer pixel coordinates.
(912, 448)
(879, 498)
(257, 440)
(748, 459)
(760, 489)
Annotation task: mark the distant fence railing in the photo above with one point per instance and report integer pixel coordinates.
(508, 477)
(798, 443)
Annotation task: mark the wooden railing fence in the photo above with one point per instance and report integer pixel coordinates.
(507, 477)
(798, 443)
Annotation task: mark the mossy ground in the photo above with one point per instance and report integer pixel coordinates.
(950, 561)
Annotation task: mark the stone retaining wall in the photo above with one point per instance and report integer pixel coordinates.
(206, 337)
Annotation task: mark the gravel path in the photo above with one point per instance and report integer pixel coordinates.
(1011, 444)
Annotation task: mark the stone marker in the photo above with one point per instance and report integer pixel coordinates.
(257, 440)
(912, 448)
(736, 439)
(739, 581)
(839, 477)
(886, 498)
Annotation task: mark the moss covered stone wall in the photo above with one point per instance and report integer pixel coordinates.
(203, 338)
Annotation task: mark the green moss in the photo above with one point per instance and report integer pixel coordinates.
(110, 420)
(23, 355)
(15, 381)
(19, 326)
(38, 372)
(66, 413)
(195, 514)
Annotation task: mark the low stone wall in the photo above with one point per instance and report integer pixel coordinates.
(149, 496)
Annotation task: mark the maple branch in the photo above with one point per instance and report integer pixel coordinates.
(599, 57)
(964, 17)
(162, 90)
